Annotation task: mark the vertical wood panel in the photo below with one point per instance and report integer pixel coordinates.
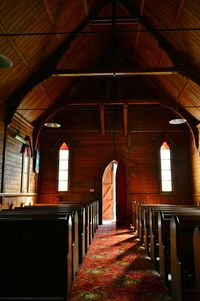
(91, 152)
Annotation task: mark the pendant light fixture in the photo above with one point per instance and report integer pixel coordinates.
(50, 121)
(5, 62)
(178, 120)
(52, 124)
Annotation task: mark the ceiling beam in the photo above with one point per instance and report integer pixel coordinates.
(114, 73)
(118, 20)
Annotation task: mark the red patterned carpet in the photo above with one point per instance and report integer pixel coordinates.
(117, 269)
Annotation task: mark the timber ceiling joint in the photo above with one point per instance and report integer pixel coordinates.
(46, 69)
(179, 59)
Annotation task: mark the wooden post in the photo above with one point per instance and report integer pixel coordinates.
(125, 119)
(102, 119)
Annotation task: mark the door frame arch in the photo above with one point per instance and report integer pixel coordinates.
(108, 187)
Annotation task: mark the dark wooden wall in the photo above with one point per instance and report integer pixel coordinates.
(11, 170)
(91, 152)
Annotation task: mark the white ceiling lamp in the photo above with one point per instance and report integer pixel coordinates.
(51, 122)
(52, 125)
(178, 120)
(5, 62)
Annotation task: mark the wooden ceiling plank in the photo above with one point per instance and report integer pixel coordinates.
(138, 33)
(86, 7)
(177, 58)
(184, 88)
(49, 13)
(13, 45)
(45, 70)
(180, 8)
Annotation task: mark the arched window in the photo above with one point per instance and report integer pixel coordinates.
(63, 169)
(166, 170)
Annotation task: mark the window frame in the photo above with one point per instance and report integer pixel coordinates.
(172, 167)
(58, 169)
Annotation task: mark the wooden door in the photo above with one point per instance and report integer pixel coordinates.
(121, 195)
(108, 193)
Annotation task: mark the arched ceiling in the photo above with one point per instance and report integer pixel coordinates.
(98, 51)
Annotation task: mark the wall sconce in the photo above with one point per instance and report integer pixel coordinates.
(19, 138)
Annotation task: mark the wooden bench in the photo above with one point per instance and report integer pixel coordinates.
(150, 224)
(83, 230)
(92, 218)
(196, 248)
(182, 258)
(145, 222)
(153, 227)
(78, 234)
(164, 218)
(36, 256)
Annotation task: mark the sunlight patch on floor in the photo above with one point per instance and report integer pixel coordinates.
(108, 222)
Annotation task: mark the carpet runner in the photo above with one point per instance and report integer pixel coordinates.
(116, 268)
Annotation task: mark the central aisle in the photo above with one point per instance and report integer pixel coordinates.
(117, 269)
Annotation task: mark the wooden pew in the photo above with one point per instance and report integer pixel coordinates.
(196, 246)
(83, 228)
(164, 218)
(146, 222)
(134, 205)
(78, 238)
(153, 227)
(36, 256)
(88, 213)
(137, 220)
(182, 259)
(89, 229)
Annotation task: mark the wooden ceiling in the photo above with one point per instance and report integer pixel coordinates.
(99, 51)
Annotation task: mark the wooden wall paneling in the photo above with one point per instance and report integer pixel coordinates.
(13, 162)
(92, 152)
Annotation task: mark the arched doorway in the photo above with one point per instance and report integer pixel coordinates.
(109, 193)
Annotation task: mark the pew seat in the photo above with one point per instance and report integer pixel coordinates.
(36, 256)
(182, 257)
(196, 245)
(164, 218)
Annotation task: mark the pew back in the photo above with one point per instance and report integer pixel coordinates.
(182, 259)
(36, 253)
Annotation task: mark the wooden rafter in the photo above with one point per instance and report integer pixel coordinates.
(114, 73)
(180, 8)
(178, 58)
(49, 66)
(138, 33)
